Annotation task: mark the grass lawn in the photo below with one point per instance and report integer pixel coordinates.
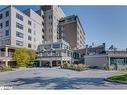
(120, 78)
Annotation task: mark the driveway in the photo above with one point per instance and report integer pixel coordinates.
(56, 78)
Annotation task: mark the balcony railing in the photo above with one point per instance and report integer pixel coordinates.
(2, 54)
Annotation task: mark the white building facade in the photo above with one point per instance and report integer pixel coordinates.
(20, 29)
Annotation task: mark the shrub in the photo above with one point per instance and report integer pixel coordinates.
(80, 67)
(5, 68)
(66, 65)
(77, 67)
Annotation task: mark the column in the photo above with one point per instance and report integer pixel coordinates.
(6, 55)
(0, 53)
(40, 63)
(50, 63)
(61, 63)
(6, 51)
(108, 63)
(6, 63)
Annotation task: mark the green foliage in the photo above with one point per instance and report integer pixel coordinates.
(24, 57)
(120, 78)
(5, 68)
(66, 65)
(80, 67)
(77, 67)
(32, 56)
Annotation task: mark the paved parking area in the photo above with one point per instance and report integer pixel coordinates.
(56, 78)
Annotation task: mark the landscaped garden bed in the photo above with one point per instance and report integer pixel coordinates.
(5, 68)
(118, 79)
(77, 67)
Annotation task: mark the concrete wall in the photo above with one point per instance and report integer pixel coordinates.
(96, 61)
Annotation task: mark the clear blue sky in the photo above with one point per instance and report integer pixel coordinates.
(101, 23)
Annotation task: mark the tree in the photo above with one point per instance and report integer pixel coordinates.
(32, 56)
(21, 56)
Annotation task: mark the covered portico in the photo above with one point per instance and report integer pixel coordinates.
(53, 61)
(6, 55)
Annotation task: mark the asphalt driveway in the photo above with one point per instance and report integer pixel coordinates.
(56, 78)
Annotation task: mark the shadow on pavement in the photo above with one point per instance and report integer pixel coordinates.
(59, 83)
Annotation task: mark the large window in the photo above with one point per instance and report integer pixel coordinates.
(7, 23)
(1, 16)
(19, 43)
(29, 46)
(119, 61)
(18, 34)
(29, 38)
(29, 30)
(7, 33)
(18, 25)
(7, 13)
(18, 16)
(1, 25)
(29, 22)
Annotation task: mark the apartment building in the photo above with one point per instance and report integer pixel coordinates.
(20, 29)
(71, 30)
(52, 15)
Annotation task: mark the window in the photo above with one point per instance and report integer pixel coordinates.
(18, 16)
(43, 23)
(7, 42)
(7, 23)
(29, 22)
(43, 36)
(29, 45)
(1, 25)
(43, 16)
(29, 30)
(7, 33)
(29, 38)
(1, 16)
(50, 16)
(18, 34)
(19, 43)
(7, 13)
(42, 30)
(20, 26)
(56, 45)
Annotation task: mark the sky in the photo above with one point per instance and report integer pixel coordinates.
(102, 24)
